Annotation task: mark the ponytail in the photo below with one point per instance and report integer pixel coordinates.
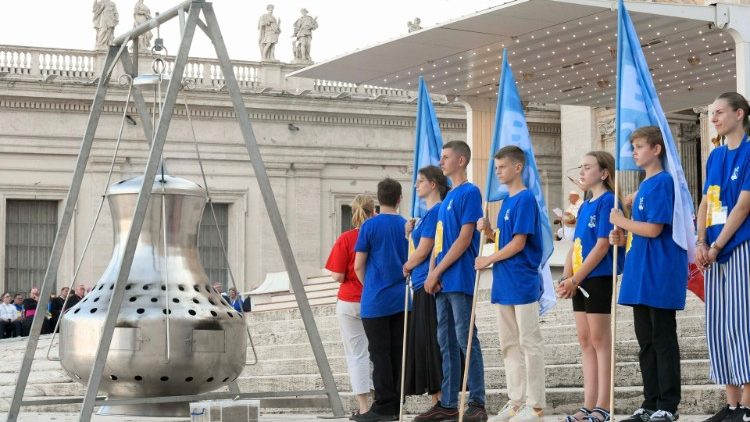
(363, 206)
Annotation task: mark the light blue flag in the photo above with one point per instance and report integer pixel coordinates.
(638, 105)
(428, 145)
(511, 129)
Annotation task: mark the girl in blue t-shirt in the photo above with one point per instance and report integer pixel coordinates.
(424, 363)
(654, 279)
(589, 266)
(723, 247)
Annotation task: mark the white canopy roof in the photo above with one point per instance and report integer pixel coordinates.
(561, 52)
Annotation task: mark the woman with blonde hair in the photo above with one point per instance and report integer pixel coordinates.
(341, 264)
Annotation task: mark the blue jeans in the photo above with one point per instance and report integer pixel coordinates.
(453, 314)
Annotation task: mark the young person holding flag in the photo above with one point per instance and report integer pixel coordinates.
(422, 364)
(589, 266)
(524, 295)
(424, 373)
(662, 233)
(724, 248)
(451, 280)
(654, 280)
(516, 289)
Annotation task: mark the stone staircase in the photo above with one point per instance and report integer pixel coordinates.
(286, 363)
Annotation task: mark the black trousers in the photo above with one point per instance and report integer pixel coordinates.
(385, 336)
(10, 329)
(656, 331)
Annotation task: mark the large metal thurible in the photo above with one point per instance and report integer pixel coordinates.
(175, 334)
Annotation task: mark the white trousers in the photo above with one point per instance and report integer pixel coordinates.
(355, 346)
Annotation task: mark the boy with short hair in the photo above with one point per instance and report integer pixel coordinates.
(516, 289)
(381, 251)
(451, 280)
(654, 278)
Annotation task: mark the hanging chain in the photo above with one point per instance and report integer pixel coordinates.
(96, 218)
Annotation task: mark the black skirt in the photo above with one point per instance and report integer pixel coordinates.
(424, 364)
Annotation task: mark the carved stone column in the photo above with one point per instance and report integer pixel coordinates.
(707, 133)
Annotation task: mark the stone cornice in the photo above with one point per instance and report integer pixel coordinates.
(224, 112)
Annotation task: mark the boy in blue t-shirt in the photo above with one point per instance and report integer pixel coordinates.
(381, 251)
(516, 289)
(654, 279)
(451, 280)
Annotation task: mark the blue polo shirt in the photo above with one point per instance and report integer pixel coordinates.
(727, 175)
(424, 229)
(656, 269)
(592, 224)
(384, 239)
(462, 205)
(516, 280)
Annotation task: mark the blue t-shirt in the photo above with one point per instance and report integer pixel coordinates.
(424, 229)
(516, 280)
(656, 269)
(384, 239)
(727, 175)
(462, 205)
(592, 224)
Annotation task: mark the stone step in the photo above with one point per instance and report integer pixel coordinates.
(552, 334)
(627, 350)
(696, 399)
(563, 309)
(694, 372)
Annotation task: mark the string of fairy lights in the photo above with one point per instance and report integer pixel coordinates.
(575, 62)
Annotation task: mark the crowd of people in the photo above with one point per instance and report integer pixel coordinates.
(438, 255)
(17, 312)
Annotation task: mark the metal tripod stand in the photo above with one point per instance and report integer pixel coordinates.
(118, 52)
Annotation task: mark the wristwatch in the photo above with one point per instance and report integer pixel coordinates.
(714, 245)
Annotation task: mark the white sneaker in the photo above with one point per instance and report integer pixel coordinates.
(506, 413)
(528, 414)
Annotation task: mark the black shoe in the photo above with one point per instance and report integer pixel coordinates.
(664, 416)
(438, 413)
(371, 416)
(740, 414)
(475, 413)
(640, 415)
(720, 415)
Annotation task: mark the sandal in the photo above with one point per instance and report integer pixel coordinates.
(572, 418)
(606, 417)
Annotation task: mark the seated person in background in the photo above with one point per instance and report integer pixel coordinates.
(235, 300)
(29, 309)
(10, 323)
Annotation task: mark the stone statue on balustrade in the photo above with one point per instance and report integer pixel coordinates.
(415, 26)
(269, 28)
(303, 28)
(105, 21)
(141, 14)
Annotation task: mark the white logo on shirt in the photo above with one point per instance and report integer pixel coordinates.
(450, 204)
(507, 215)
(735, 175)
(592, 221)
(640, 204)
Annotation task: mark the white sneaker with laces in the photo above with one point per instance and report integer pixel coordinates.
(528, 414)
(506, 413)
